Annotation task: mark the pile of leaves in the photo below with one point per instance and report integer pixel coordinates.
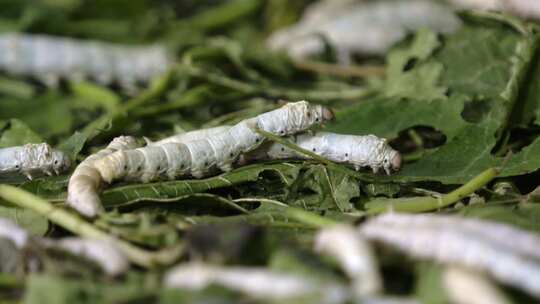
(453, 105)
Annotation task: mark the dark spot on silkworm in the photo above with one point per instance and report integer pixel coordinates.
(308, 114)
(17, 167)
(317, 119)
(125, 167)
(56, 162)
(206, 163)
(158, 168)
(346, 154)
(139, 168)
(256, 140)
(314, 149)
(232, 154)
(281, 132)
(182, 166)
(282, 149)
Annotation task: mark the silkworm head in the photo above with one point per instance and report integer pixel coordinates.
(391, 161)
(60, 162)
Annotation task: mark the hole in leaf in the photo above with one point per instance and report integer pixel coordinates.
(475, 111)
(410, 64)
(418, 138)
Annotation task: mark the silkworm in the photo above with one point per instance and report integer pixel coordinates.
(103, 252)
(199, 157)
(172, 159)
(360, 27)
(431, 237)
(355, 256)
(13, 232)
(254, 282)
(85, 181)
(359, 151)
(49, 58)
(33, 159)
(465, 286)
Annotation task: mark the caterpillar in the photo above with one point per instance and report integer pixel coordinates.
(359, 151)
(255, 282)
(354, 254)
(32, 160)
(366, 27)
(85, 181)
(471, 243)
(104, 253)
(198, 158)
(49, 58)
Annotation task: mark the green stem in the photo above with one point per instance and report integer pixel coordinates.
(309, 218)
(427, 203)
(78, 226)
(157, 87)
(314, 156)
(290, 94)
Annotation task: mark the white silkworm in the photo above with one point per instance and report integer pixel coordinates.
(523, 8)
(13, 232)
(447, 241)
(523, 242)
(195, 157)
(32, 160)
(355, 256)
(85, 181)
(49, 58)
(258, 283)
(367, 27)
(359, 151)
(103, 252)
(465, 286)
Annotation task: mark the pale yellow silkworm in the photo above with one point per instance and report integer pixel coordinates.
(85, 182)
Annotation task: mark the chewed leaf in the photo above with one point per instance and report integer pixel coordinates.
(18, 134)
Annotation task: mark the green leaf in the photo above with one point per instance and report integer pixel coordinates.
(27, 219)
(331, 189)
(422, 82)
(174, 189)
(487, 61)
(18, 134)
(73, 145)
(92, 96)
(429, 288)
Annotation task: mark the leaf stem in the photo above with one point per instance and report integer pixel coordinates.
(157, 87)
(80, 227)
(428, 203)
(309, 218)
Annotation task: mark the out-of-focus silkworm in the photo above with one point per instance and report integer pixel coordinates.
(355, 256)
(13, 232)
(523, 8)
(84, 183)
(33, 159)
(366, 27)
(450, 240)
(49, 58)
(465, 286)
(104, 253)
(258, 283)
